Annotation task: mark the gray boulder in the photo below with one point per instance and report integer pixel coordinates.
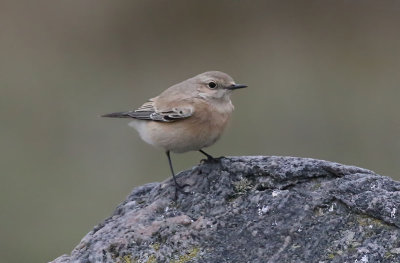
(254, 209)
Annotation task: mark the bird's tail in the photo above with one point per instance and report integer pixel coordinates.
(124, 114)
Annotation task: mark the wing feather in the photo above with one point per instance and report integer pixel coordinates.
(148, 112)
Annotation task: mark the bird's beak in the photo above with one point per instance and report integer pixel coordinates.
(236, 86)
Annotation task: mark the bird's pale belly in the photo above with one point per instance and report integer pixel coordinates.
(181, 136)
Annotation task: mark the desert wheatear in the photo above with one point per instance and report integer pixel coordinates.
(188, 116)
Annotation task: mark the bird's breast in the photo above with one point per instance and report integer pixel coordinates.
(209, 122)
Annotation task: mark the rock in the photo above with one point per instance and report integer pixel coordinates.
(254, 209)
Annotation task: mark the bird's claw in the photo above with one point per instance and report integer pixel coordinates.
(179, 188)
(212, 159)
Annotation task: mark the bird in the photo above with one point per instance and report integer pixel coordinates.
(187, 116)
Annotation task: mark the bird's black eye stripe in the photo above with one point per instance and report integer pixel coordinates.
(212, 85)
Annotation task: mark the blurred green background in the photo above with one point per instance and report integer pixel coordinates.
(323, 82)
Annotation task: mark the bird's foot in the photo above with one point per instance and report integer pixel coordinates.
(180, 189)
(211, 159)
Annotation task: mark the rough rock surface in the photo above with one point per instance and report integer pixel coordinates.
(254, 209)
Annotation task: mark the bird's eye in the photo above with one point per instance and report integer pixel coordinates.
(212, 85)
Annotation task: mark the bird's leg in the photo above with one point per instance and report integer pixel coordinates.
(210, 158)
(177, 186)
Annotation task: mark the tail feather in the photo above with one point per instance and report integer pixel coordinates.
(124, 114)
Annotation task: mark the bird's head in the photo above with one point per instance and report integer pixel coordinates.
(216, 85)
